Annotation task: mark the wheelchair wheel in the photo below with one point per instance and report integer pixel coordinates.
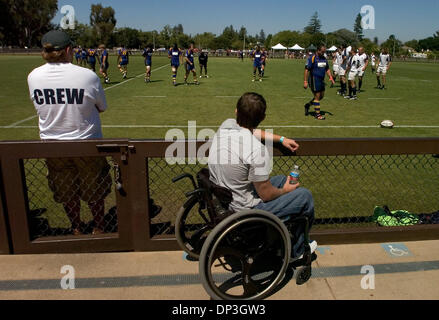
(192, 228)
(245, 257)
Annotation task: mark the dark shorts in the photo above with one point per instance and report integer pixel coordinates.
(316, 84)
(148, 64)
(123, 63)
(257, 65)
(189, 67)
(175, 65)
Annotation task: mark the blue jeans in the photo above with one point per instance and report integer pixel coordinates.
(297, 203)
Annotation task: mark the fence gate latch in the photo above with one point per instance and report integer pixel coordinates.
(123, 149)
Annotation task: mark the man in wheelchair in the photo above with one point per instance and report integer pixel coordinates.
(240, 162)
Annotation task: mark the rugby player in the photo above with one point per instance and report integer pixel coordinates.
(364, 63)
(383, 67)
(92, 55)
(104, 63)
(373, 62)
(203, 59)
(257, 56)
(264, 61)
(353, 71)
(175, 56)
(84, 55)
(147, 54)
(342, 62)
(123, 61)
(77, 52)
(315, 70)
(189, 64)
(335, 66)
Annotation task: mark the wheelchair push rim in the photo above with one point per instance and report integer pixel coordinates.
(253, 248)
(193, 244)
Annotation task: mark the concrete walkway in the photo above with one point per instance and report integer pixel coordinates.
(403, 271)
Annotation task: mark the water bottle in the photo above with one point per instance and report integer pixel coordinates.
(295, 175)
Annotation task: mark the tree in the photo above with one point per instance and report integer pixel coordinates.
(314, 25)
(262, 37)
(23, 22)
(358, 28)
(344, 37)
(393, 45)
(103, 21)
(242, 33)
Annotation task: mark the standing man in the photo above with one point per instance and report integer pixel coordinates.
(364, 63)
(203, 59)
(335, 66)
(190, 65)
(84, 55)
(315, 70)
(354, 70)
(92, 55)
(342, 60)
(175, 56)
(373, 62)
(257, 56)
(383, 68)
(68, 100)
(264, 61)
(104, 63)
(123, 61)
(147, 54)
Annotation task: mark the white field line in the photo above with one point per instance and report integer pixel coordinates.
(383, 98)
(149, 96)
(215, 127)
(15, 124)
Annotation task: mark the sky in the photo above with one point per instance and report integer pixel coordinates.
(407, 19)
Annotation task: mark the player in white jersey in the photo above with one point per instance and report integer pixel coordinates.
(354, 70)
(385, 62)
(364, 62)
(342, 60)
(335, 66)
(373, 62)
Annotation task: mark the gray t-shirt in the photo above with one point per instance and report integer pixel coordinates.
(237, 159)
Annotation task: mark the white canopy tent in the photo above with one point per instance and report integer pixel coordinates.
(297, 48)
(279, 47)
(332, 49)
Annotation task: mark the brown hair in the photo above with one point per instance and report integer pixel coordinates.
(53, 56)
(251, 110)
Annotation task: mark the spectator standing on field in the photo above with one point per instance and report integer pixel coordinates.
(68, 100)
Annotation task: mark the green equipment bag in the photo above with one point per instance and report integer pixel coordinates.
(386, 218)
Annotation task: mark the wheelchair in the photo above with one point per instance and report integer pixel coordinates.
(242, 255)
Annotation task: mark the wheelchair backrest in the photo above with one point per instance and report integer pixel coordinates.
(224, 195)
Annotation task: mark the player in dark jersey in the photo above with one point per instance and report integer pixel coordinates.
(257, 56)
(315, 70)
(147, 54)
(77, 52)
(104, 63)
(189, 64)
(174, 55)
(123, 61)
(92, 55)
(264, 61)
(84, 55)
(203, 59)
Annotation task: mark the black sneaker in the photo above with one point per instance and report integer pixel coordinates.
(307, 107)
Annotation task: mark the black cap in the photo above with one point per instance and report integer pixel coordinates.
(58, 39)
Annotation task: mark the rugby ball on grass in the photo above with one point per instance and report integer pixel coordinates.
(387, 124)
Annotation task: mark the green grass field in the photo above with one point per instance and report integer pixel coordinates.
(342, 186)
(141, 111)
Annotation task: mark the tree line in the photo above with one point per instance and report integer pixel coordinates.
(23, 23)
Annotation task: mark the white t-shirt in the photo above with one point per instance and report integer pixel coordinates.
(68, 99)
(237, 159)
(363, 60)
(354, 63)
(385, 60)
